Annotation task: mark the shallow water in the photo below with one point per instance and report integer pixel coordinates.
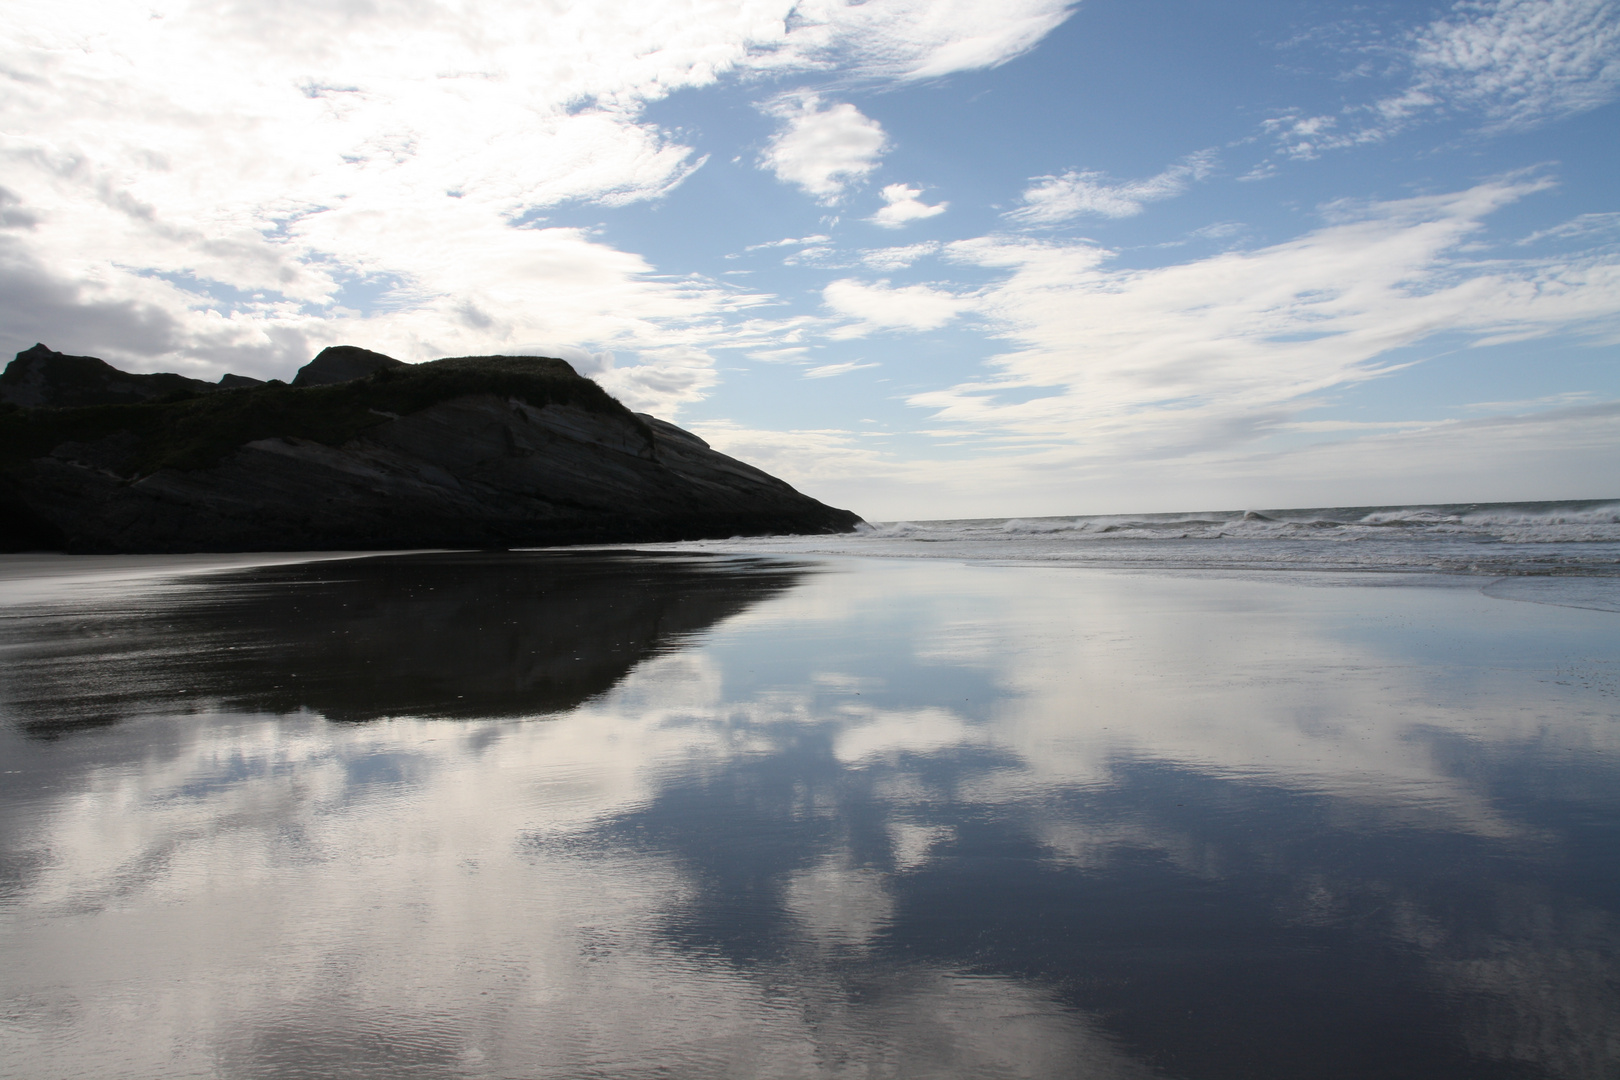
(594, 814)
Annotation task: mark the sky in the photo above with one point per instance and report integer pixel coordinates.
(920, 259)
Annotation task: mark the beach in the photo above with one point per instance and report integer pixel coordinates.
(774, 808)
(838, 540)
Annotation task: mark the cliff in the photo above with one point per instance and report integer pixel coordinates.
(491, 451)
(41, 377)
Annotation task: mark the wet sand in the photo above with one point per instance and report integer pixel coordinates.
(586, 814)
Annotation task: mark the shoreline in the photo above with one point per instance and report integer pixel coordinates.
(33, 579)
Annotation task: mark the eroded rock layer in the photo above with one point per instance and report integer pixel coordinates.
(463, 452)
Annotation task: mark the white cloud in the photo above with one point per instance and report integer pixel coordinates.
(828, 370)
(1546, 401)
(823, 148)
(885, 307)
(1166, 376)
(1305, 138)
(1560, 453)
(897, 258)
(791, 241)
(914, 39)
(204, 186)
(1075, 193)
(902, 206)
(809, 459)
(1518, 62)
(1583, 227)
(817, 255)
(1515, 63)
(790, 354)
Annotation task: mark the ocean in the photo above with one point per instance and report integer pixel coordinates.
(1564, 539)
(1312, 793)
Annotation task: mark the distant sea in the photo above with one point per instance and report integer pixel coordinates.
(1577, 542)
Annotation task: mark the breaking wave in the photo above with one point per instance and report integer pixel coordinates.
(1545, 539)
(1505, 523)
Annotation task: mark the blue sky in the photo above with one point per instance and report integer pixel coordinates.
(921, 259)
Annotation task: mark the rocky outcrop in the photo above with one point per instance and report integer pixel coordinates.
(465, 452)
(42, 377)
(341, 363)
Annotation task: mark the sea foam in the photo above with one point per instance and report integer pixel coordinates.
(1495, 539)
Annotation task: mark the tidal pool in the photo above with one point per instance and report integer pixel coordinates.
(618, 814)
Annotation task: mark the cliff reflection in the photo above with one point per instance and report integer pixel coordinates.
(476, 634)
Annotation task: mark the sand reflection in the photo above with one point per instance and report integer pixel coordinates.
(874, 820)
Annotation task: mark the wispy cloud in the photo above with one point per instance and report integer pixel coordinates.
(807, 458)
(824, 255)
(1513, 64)
(902, 206)
(1524, 405)
(1548, 453)
(910, 40)
(827, 370)
(1315, 427)
(1087, 193)
(1219, 352)
(1517, 62)
(823, 148)
(788, 355)
(1583, 227)
(881, 306)
(897, 258)
(792, 241)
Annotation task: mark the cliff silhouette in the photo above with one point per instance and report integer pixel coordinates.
(361, 452)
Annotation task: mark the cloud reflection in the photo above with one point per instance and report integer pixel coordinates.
(1142, 826)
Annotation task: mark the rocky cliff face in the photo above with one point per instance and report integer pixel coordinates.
(469, 452)
(341, 363)
(43, 377)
